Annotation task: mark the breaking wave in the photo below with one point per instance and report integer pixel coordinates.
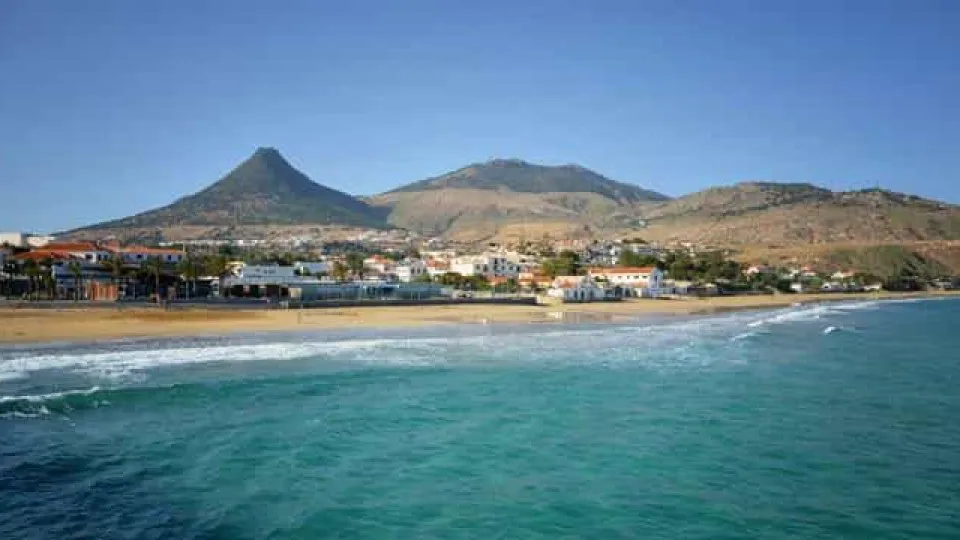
(665, 343)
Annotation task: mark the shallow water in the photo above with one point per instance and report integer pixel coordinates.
(826, 421)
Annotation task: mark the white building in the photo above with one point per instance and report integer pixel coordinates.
(646, 280)
(437, 268)
(576, 289)
(24, 240)
(410, 270)
(311, 268)
(136, 255)
(251, 271)
(486, 265)
(88, 252)
(756, 270)
(379, 263)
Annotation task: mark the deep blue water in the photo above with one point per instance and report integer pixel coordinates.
(838, 421)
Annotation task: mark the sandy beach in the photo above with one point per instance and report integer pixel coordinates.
(26, 325)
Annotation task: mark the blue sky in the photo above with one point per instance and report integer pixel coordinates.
(108, 108)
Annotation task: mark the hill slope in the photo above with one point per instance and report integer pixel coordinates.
(483, 199)
(264, 189)
(784, 214)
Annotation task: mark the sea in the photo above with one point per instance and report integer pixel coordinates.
(837, 420)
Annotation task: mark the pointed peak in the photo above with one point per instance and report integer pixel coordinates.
(266, 151)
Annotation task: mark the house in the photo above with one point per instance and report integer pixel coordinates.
(534, 280)
(487, 265)
(843, 275)
(137, 255)
(437, 268)
(410, 269)
(798, 287)
(757, 270)
(645, 280)
(576, 289)
(87, 252)
(379, 264)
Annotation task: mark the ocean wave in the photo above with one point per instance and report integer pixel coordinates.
(38, 405)
(650, 343)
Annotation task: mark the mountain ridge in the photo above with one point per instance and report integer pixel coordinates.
(512, 199)
(262, 189)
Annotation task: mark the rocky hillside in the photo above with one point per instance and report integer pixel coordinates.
(785, 214)
(484, 199)
(264, 189)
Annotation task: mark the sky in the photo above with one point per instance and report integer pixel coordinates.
(112, 107)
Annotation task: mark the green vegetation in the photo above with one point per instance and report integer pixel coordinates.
(632, 258)
(706, 267)
(566, 263)
(890, 264)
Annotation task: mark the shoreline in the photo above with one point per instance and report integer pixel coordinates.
(81, 324)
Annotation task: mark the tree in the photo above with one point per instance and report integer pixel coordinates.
(628, 257)
(153, 266)
(423, 278)
(189, 268)
(567, 263)
(339, 271)
(76, 270)
(117, 270)
(355, 264)
(32, 270)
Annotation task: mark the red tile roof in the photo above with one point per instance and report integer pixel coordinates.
(39, 255)
(70, 246)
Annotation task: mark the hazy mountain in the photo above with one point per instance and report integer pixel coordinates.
(264, 189)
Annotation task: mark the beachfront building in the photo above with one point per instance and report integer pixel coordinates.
(379, 264)
(137, 255)
(534, 280)
(576, 289)
(487, 265)
(437, 268)
(410, 270)
(311, 268)
(636, 281)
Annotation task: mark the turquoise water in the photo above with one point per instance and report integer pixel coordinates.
(814, 422)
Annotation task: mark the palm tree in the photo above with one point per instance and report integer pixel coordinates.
(355, 264)
(48, 283)
(32, 271)
(190, 270)
(117, 270)
(339, 271)
(77, 271)
(153, 266)
(217, 266)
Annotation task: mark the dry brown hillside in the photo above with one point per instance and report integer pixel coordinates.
(797, 214)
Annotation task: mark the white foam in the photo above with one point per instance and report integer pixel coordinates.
(40, 398)
(830, 330)
(652, 343)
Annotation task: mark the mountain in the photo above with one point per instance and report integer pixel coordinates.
(513, 197)
(784, 214)
(264, 189)
(522, 177)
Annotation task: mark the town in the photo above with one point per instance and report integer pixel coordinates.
(377, 267)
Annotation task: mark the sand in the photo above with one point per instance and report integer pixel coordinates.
(26, 325)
